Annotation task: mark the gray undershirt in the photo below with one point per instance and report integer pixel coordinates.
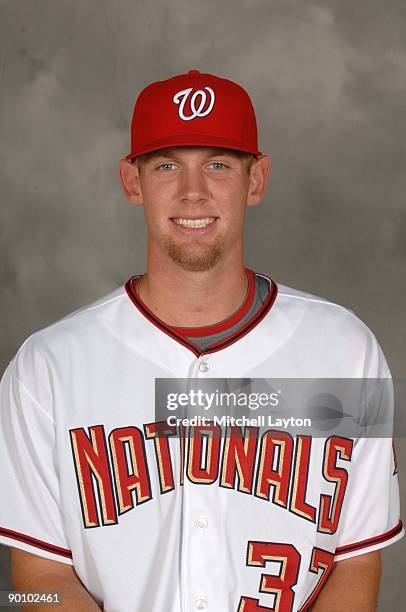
(262, 288)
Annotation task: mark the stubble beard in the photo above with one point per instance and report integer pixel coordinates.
(196, 256)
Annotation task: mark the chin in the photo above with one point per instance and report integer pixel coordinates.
(195, 265)
(195, 258)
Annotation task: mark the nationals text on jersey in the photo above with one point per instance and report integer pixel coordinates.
(273, 467)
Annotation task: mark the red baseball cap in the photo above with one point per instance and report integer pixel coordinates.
(193, 109)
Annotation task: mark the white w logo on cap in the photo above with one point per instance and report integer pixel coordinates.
(181, 98)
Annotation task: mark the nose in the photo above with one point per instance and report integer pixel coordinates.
(193, 185)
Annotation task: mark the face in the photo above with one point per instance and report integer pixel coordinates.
(195, 200)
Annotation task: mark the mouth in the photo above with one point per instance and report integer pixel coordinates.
(197, 225)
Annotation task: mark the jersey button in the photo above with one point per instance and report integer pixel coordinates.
(201, 604)
(203, 366)
(202, 523)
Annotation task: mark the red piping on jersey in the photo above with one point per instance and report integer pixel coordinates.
(21, 537)
(341, 550)
(230, 321)
(130, 287)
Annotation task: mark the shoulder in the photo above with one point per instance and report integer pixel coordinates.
(296, 299)
(299, 298)
(320, 322)
(311, 307)
(75, 329)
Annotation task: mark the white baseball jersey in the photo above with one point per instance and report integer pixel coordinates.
(167, 523)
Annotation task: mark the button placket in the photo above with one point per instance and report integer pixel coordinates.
(198, 580)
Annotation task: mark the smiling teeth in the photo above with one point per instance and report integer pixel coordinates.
(195, 222)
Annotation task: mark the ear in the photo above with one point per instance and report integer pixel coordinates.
(130, 181)
(259, 174)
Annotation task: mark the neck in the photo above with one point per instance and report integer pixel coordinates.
(192, 299)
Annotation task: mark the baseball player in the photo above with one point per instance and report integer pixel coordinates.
(120, 509)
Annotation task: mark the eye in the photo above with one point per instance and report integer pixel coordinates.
(166, 166)
(218, 165)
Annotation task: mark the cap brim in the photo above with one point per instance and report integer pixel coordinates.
(196, 140)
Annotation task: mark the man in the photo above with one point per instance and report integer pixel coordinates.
(114, 507)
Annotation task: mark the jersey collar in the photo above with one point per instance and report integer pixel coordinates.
(174, 332)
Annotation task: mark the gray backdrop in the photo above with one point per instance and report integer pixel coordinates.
(328, 80)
